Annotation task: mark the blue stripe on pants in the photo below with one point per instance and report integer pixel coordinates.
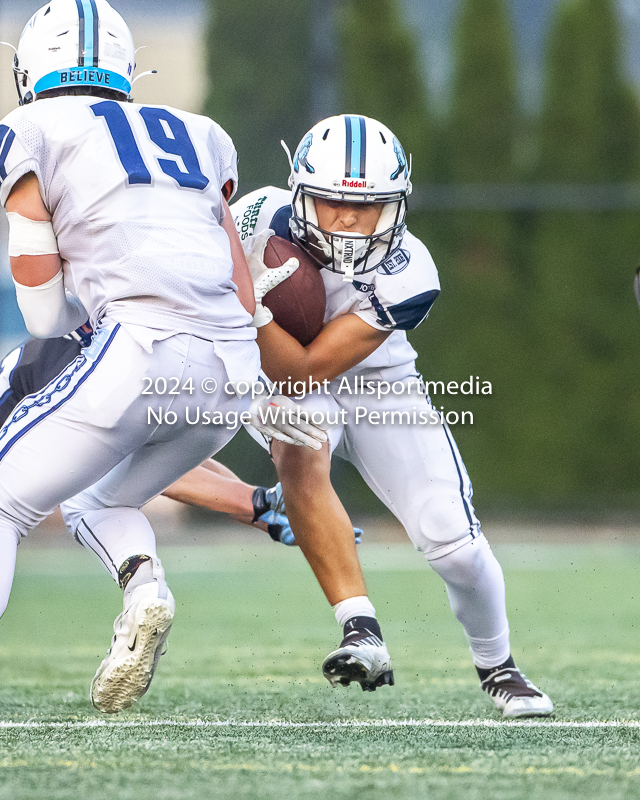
(36, 407)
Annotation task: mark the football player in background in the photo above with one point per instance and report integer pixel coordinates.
(117, 213)
(349, 182)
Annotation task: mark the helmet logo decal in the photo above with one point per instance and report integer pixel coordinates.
(356, 154)
(402, 160)
(301, 154)
(88, 43)
(30, 24)
(354, 183)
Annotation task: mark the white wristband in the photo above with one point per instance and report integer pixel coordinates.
(263, 316)
(30, 238)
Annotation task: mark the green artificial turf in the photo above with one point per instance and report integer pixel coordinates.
(250, 634)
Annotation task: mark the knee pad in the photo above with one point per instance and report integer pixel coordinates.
(472, 564)
(439, 551)
(72, 511)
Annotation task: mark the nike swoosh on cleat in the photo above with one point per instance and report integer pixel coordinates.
(132, 647)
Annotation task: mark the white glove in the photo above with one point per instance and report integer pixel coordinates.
(264, 279)
(277, 417)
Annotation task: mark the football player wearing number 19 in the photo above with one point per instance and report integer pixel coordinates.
(116, 214)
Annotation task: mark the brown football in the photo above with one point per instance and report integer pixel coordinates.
(298, 303)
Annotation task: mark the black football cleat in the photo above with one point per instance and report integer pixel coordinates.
(362, 658)
(515, 695)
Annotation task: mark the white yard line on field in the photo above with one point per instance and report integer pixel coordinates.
(376, 723)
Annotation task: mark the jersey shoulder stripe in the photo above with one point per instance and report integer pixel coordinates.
(410, 313)
(280, 222)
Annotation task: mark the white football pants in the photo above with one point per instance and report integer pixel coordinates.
(418, 473)
(91, 427)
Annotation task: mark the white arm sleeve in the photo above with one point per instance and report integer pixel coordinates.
(48, 309)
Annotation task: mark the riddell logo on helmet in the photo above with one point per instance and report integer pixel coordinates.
(354, 183)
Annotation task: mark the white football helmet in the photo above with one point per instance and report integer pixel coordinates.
(74, 43)
(353, 159)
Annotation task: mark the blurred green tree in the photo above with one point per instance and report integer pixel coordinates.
(258, 69)
(584, 426)
(381, 75)
(483, 125)
(476, 326)
(259, 58)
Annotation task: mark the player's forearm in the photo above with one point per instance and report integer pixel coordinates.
(240, 494)
(206, 489)
(340, 345)
(215, 466)
(282, 357)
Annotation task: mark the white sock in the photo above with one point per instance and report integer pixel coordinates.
(148, 572)
(353, 607)
(116, 534)
(490, 653)
(475, 585)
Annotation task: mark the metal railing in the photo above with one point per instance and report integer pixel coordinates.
(526, 197)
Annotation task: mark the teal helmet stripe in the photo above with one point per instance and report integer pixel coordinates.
(356, 155)
(81, 34)
(88, 42)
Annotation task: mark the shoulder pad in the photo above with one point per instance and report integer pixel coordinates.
(254, 212)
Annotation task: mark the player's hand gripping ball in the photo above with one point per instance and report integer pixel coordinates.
(294, 296)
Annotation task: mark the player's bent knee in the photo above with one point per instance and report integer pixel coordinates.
(468, 562)
(468, 548)
(72, 511)
(76, 507)
(301, 463)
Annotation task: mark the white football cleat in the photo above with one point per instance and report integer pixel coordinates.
(139, 639)
(515, 695)
(362, 657)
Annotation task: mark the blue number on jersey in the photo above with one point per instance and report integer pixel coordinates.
(175, 142)
(178, 144)
(124, 140)
(6, 138)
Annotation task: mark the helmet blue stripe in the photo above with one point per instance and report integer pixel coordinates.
(347, 161)
(80, 5)
(356, 153)
(355, 148)
(88, 33)
(96, 42)
(363, 146)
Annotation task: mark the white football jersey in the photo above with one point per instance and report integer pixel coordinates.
(397, 296)
(135, 197)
